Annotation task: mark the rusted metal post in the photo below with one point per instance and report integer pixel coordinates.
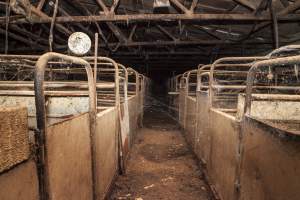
(123, 121)
(96, 56)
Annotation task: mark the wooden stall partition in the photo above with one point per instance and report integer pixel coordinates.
(133, 118)
(181, 105)
(106, 141)
(69, 159)
(18, 171)
(20, 182)
(270, 160)
(191, 118)
(202, 134)
(203, 137)
(224, 153)
(270, 165)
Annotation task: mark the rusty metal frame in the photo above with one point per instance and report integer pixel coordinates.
(201, 69)
(125, 118)
(218, 63)
(292, 60)
(41, 115)
(201, 86)
(116, 74)
(283, 49)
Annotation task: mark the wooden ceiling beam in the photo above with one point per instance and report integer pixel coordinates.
(212, 18)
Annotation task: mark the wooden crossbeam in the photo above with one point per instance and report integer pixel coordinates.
(224, 18)
(246, 3)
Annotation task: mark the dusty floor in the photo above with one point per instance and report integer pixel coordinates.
(161, 166)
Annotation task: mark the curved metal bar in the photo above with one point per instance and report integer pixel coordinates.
(117, 90)
(287, 48)
(136, 79)
(201, 69)
(177, 82)
(292, 60)
(183, 80)
(200, 82)
(226, 59)
(194, 71)
(39, 77)
(141, 79)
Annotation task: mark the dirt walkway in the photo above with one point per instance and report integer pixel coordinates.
(161, 166)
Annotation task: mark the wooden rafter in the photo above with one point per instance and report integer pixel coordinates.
(117, 32)
(213, 18)
(167, 33)
(193, 5)
(180, 6)
(246, 3)
(103, 6)
(114, 6)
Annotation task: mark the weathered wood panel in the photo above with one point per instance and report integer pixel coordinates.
(69, 159)
(270, 165)
(182, 104)
(133, 118)
(20, 182)
(224, 153)
(106, 150)
(190, 122)
(203, 137)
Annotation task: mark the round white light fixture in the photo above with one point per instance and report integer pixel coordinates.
(79, 43)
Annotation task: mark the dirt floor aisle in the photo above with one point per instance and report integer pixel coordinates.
(161, 166)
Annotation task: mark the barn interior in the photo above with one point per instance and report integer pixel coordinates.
(157, 99)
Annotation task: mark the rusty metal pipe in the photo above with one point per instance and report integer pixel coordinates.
(41, 113)
(126, 118)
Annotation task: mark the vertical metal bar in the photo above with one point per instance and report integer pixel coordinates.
(123, 121)
(96, 56)
(52, 25)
